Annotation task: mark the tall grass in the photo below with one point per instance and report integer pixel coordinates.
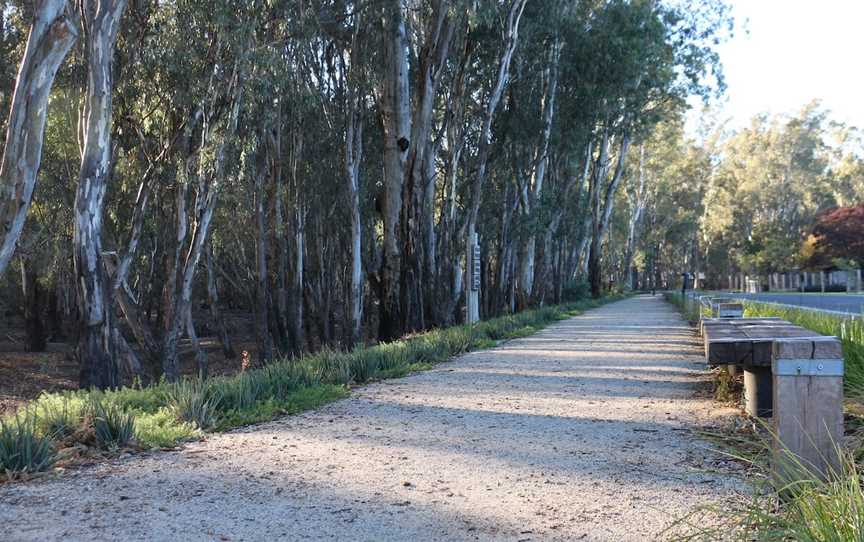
(22, 448)
(813, 508)
(165, 414)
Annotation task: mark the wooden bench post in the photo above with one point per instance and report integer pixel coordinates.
(808, 405)
(758, 391)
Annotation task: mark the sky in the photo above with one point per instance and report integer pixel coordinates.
(785, 53)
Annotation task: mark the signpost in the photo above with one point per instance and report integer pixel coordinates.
(473, 294)
(475, 268)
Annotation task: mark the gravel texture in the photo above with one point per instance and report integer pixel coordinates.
(584, 431)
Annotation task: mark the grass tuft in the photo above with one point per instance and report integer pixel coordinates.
(813, 508)
(193, 401)
(114, 428)
(23, 450)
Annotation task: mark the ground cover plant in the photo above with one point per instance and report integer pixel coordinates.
(166, 414)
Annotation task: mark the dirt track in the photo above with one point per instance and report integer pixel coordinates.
(581, 432)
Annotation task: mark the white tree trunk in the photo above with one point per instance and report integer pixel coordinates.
(353, 159)
(396, 120)
(541, 159)
(52, 35)
(95, 349)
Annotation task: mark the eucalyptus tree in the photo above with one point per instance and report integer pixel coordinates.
(53, 32)
(207, 167)
(96, 334)
(775, 176)
(646, 68)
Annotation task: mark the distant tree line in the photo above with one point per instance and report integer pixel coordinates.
(782, 193)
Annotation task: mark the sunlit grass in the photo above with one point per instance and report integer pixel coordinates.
(812, 508)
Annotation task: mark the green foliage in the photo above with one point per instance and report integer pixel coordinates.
(365, 364)
(811, 509)
(114, 428)
(144, 399)
(23, 449)
(59, 415)
(163, 429)
(195, 402)
(575, 290)
(293, 402)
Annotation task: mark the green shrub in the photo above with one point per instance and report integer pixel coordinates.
(457, 340)
(335, 367)
(237, 392)
(114, 428)
(22, 448)
(143, 399)
(296, 401)
(427, 349)
(575, 290)
(162, 429)
(195, 402)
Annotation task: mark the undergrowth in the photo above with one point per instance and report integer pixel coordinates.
(809, 508)
(165, 414)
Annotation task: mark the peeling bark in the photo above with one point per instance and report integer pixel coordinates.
(95, 349)
(52, 34)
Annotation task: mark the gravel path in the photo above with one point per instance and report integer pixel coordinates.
(581, 432)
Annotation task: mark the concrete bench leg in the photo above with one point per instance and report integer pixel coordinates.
(758, 396)
(732, 369)
(808, 406)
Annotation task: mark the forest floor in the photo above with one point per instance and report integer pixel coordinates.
(587, 430)
(24, 375)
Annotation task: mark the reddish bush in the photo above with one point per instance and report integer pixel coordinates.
(839, 233)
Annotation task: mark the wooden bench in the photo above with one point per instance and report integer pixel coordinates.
(727, 310)
(791, 374)
(721, 307)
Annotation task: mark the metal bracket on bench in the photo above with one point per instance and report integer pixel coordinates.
(807, 367)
